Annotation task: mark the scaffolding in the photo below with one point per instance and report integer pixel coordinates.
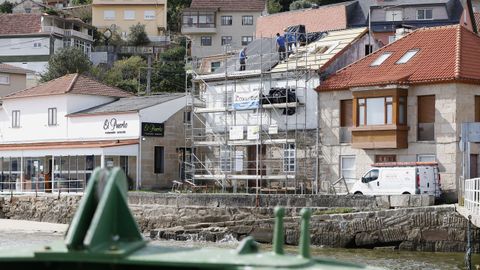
(270, 145)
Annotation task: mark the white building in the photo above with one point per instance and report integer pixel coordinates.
(29, 40)
(59, 131)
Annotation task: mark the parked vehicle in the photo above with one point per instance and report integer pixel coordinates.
(400, 178)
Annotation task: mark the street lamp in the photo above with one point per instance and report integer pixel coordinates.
(107, 34)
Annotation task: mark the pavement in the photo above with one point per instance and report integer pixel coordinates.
(12, 225)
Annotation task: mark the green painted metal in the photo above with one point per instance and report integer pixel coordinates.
(103, 234)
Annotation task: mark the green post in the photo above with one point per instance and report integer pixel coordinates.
(305, 233)
(278, 235)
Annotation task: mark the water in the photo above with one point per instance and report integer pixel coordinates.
(387, 259)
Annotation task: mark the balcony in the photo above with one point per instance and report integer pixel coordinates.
(198, 22)
(199, 28)
(53, 30)
(380, 137)
(74, 33)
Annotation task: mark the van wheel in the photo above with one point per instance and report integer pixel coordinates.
(358, 193)
(406, 193)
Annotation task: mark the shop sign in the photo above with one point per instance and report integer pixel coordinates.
(153, 129)
(114, 126)
(246, 100)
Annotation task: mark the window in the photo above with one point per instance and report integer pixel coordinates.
(214, 66)
(381, 59)
(385, 158)
(246, 40)
(402, 110)
(375, 111)
(346, 121)
(425, 14)
(109, 14)
(226, 20)
(372, 175)
(368, 49)
(225, 159)
(226, 40)
(426, 158)
(4, 79)
(149, 15)
(129, 14)
(247, 20)
(15, 118)
(206, 41)
(159, 159)
(426, 118)
(187, 117)
(289, 157)
(347, 168)
(37, 45)
(52, 116)
(407, 56)
(393, 15)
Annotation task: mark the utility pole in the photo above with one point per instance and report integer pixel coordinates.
(149, 74)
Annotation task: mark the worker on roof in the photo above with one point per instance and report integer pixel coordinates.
(242, 56)
(281, 42)
(291, 38)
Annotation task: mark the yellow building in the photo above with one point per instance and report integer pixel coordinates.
(119, 15)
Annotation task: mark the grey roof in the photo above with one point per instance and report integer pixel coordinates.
(131, 104)
(264, 47)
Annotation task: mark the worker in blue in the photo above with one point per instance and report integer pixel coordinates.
(242, 56)
(281, 46)
(291, 40)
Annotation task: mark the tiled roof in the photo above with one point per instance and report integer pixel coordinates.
(229, 5)
(12, 24)
(477, 19)
(70, 84)
(324, 18)
(444, 54)
(6, 68)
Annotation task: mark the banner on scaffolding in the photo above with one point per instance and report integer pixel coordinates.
(246, 100)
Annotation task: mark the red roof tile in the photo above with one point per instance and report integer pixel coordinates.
(445, 53)
(13, 69)
(332, 17)
(229, 5)
(12, 24)
(71, 84)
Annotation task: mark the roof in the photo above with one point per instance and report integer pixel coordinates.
(6, 68)
(130, 104)
(323, 18)
(70, 84)
(321, 52)
(447, 53)
(229, 5)
(20, 23)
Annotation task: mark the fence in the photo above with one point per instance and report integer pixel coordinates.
(472, 196)
(41, 185)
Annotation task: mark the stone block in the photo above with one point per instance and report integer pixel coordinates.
(432, 235)
(383, 201)
(407, 246)
(262, 235)
(399, 200)
(415, 201)
(367, 239)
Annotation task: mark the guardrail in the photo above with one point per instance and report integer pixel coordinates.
(472, 196)
(42, 186)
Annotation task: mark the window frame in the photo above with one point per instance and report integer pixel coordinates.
(131, 12)
(7, 76)
(246, 42)
(407, 56)
(244, 20)
(381, 59)
(224, 19)
(159, 159)
(289, 158)
(15, 118)
(223, 38)
(342, 169)
(419, 156)
(424, 10)
(387, 101)
(52, 116)
(205, 38)
(109, 18)
(149, 17)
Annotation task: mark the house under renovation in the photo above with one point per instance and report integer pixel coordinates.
(256, 130)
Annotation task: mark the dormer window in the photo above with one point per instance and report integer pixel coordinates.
(381, 59)
(407, 56)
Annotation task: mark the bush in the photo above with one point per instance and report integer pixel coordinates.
(300, 4)
(65, 61)
(137, 35)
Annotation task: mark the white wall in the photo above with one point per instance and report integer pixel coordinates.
(161, 112)
(100, 127)
(24, 46)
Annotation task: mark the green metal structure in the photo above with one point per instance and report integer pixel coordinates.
(104, 235)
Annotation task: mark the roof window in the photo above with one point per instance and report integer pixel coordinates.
(381, 59)
(407, 56)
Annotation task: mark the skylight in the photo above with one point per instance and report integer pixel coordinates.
(381, 59)
(407, 56)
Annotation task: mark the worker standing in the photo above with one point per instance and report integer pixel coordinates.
(281, 46)
(243, 57)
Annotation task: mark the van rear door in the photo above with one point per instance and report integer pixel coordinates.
(427, 180)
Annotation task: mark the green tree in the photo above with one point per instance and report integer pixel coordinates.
(300, 4)
(124, 74)
(6, 7)
(273, 6)
(169, 73)
(80, 2)
(174, 14)
(137, 35)
(65, 61)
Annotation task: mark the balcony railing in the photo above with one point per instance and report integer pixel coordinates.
(75, 33)
(53, 29)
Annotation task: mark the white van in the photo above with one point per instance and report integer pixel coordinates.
(400, 178)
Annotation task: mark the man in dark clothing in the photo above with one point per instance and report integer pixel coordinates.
(243, 57)
(281, 42)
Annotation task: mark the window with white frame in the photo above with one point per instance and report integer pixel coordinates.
(129, 14)
(4, 79)
(426, 158)
(37, 45)
(227, 20)
(206, 41)
(109, 14)
(225, 159)
(425, 14)
(381, 59)
(247, 20)
(289, 157)
(246, 40)
(347, 168)
(407, 56)
(226, 40)
(52, 116)
(15, 118)
(149, 15)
